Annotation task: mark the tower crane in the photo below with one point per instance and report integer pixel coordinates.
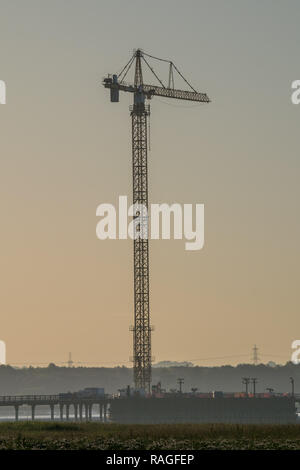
(140, 111)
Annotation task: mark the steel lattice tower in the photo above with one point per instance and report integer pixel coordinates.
(141, 329)
(139, 114)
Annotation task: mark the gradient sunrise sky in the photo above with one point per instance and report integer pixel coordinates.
(65, 149)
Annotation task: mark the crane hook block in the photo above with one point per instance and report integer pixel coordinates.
(114, 91)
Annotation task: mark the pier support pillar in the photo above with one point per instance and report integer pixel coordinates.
(61, 409)
(80, 411)
(75, 412)
(32, 412)
(105, 411)
(100, 411)
(52, 412)
(67, 411)
(17, 412)
(86, 409)
(90, 412)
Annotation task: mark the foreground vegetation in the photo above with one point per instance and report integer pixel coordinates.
(63, 436)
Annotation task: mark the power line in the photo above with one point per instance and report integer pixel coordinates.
(180, 381)
(246, 381)
(209, 358)
(70, 361)
(254, 382)
(255, 357)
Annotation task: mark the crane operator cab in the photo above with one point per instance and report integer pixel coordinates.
(139, 96)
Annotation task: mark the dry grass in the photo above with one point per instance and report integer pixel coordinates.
(40, 435)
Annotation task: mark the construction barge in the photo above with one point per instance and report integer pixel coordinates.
(195, 409)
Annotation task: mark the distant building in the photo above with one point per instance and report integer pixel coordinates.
(173, 364)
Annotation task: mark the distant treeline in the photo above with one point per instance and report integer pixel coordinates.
(54, 379)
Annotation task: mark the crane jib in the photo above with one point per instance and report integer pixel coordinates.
(151, 90)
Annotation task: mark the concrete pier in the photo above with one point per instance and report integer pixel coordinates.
(67, 411)
(82, 405)
(61, 411)
(17, 412)
(32, 412)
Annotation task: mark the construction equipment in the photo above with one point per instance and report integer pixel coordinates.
(246, 381)
(254, 382)
(140, 111)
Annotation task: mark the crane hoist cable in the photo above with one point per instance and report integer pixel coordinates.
(173, 65)
(153, 72)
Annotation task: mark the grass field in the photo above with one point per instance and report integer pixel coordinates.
(61, 436)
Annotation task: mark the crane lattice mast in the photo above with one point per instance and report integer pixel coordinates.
(140, 111)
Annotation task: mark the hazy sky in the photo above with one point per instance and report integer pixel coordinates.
(65, 149)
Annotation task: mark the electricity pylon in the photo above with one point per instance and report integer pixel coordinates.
(255, 357)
